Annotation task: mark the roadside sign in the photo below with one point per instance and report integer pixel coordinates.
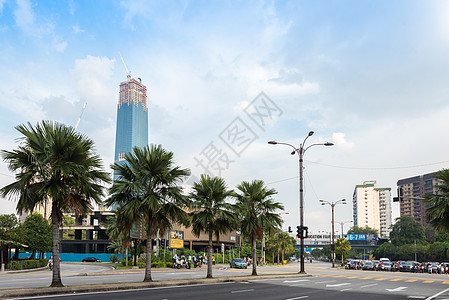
(361, 237)
(136, 231)
(176, 239)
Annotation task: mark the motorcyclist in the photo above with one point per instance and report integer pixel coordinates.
(175, 260)
(50, 263)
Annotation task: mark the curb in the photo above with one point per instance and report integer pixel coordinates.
(25, 270)
(48, 291)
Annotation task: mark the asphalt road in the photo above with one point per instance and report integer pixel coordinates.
(250, 290)
(323, 283)
(70, 274)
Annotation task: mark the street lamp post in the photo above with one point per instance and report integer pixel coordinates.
(332, 205)
(300, 151)
(343, 223)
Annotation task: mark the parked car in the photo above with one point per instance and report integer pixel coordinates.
(354, 264)
(405, 266)
(90, 259)
(238, 263)
(385, 266)
(368, 265)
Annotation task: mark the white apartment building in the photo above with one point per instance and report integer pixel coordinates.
(372, 207)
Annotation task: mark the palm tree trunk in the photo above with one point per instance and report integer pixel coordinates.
(254, 259)
(149, 251)
(56, 279)
(209, 255)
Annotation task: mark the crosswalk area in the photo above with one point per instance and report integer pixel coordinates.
(393, 279)
(379, 284)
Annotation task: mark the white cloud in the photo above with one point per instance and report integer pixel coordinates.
(339, 139)
(76, 29)
(60, 47)
(2, 3)
(72, 7)
(91, 76)
(24, 16)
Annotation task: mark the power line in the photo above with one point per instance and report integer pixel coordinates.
(362, 168)
(379, 168)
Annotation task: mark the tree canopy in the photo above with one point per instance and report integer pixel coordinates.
(211, 213)
(407, 230)
(362, 230)
(437, 212)
(57, 165)
(37, 233)
(258, 212)
(148, 187)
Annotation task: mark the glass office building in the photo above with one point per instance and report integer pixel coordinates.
(132, 118)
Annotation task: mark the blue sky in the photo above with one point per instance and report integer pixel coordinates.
(370, 76)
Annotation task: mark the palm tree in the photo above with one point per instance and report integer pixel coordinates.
(437, 212)
(148, 187)
(342, 247)
(117, 230)
(256, 211)
(286, 244)
(211, 213)
(55, 164)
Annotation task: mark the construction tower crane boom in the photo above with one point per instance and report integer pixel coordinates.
(128, 74)
(79, 119)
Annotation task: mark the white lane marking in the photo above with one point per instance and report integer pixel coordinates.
(301, 297)
(242, 291)
(289, 281)
(325, 281)
(398, 289)
(338, 284)
(368, 285)
(437, 294)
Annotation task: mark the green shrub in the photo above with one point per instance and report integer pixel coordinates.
(43, 262)
(114, 258)
(15, 265)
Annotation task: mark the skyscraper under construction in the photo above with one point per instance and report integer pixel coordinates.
(132, 118)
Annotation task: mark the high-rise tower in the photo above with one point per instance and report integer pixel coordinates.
(132, 118)
(414, 189)
(372, 207)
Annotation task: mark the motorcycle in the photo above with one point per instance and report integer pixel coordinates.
(181, 263)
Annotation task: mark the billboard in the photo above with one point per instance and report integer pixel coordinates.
(176, 239)
(136, 231)
(361, 237)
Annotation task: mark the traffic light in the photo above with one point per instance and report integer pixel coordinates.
(289, 229)
(306, 235)
(400, 196)
(298, 232)
(163, 243)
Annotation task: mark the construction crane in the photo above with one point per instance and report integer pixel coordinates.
(79, 119)
(128, 73)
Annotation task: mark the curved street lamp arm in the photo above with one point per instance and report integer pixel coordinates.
(318, 144)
